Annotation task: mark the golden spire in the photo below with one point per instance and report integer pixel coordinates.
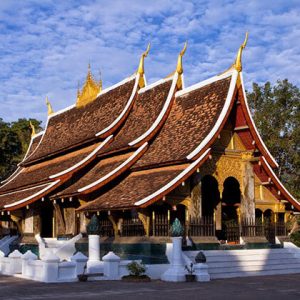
(238, 61)
(179, 68)
(33, 133)
(50, 110)
(89, 91)
(141, 70)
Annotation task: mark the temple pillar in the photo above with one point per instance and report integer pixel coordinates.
(218, 211)
(28, 222)
(70, 220)
(195, 207)
(59, 221)
(82, 222)
(248, 188)
(146, 222)
(36, 221)
(18, 221)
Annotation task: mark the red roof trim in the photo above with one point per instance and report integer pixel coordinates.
(258, 140)
(278, 183)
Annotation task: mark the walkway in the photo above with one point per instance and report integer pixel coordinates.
(268, 287)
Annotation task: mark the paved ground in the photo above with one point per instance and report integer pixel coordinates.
(268, 287)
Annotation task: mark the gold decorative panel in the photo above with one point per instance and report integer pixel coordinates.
(89, 91)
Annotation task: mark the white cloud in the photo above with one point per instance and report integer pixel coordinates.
(45, 47)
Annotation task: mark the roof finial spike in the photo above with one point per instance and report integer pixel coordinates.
(238, 61)
(179, 68)
(50, 110)
(33, 133)
(141, 70)
(141, 65)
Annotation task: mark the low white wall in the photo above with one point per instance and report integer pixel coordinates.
(50, 269)
(155, 271)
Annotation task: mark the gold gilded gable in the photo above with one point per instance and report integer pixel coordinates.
(90, 90)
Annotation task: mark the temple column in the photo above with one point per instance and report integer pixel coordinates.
(60, 224)
(146, 222)
(195, 207)
(69, 214)
(29, 222)
(18, 222)
(247, 188)
(218, 211)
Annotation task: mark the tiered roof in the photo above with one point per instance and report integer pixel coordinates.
(131, 144)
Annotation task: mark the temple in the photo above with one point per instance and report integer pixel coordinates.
(138, 156)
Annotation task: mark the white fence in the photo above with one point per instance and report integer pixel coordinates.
(51, 268)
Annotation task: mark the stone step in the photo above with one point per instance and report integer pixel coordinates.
(253, 268)
(225, 264)
(212, 253)
(255, 273)
(254, 258)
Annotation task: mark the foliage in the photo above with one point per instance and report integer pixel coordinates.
(14, 141)
(94, 226)
(136, 269)
(190, 269)
(295, 238)
(293, 224)
(276, 111)
(176, 228)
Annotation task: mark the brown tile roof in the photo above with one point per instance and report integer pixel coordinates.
(38, 173)
(80, 124)
(191, 119)
(134, 187)
(146, 109)
(12, 197)
(100, 169)
(34, 145)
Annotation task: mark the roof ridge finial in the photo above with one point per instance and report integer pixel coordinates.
(179, 68)
(33, 133)
(50, 109)
(238, 61)
(141, 64)
(141, 69)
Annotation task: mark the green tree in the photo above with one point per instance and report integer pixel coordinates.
(14, 141)
(276, 112)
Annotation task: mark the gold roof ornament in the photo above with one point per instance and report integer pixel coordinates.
(90, 90)
(179, 68)
(33, 133)
(238, 61)
(141, 69)
(50, 110)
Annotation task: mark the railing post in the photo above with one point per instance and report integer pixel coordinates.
(153, 223)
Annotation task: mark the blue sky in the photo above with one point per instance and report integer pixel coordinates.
(46, 45)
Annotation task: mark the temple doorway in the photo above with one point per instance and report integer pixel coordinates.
(47, 219)
(210, 195)
(231, 199)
